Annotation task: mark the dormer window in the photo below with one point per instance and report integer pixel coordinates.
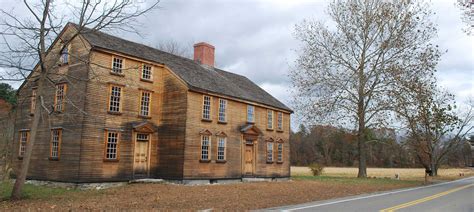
(117, 64)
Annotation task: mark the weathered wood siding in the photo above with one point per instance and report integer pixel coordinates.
(41, 167)
(236, 118)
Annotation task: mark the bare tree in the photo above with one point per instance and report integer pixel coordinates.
(29, 52)
(434, 128)
(467, 16)
(346, 71)
(176, 48)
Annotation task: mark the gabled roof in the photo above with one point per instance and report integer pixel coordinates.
(195, 75)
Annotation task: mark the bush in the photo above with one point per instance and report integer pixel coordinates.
(316, 169)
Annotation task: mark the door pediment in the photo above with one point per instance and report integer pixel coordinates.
(251, 129)
(144, 127)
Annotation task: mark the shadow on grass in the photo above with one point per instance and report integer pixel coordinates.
(33, 191)
(352, 180)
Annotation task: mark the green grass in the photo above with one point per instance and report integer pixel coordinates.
(352, 180)
(33, 191)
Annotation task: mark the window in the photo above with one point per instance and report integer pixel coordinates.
(221, 148)
(222, 109)
(111, 145)
(269, 151)
(206, 108)
(65, 55)
(33, 101)
(280, 121)
(269, 119)
(56, 137)
(24, 136)
(143, 137)
(145, 103)
(115, 97)
(59, 97)
(117, 64)
(250, 113)
(146, 72)
(205, 147)
(280, 152)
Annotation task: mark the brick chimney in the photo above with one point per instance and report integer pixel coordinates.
(204, 53)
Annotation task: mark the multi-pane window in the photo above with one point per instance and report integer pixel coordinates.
(56, 135)
(269, 151)
(206, 108)
(205, 147)
(117, 64)
(222, 110)
(65, 55)
(59, 98)
(280, 121)
(111, 145)
(143, 137)
(33, 100)
(269, 119)
(280, 152)
(250, 113)
(145, 103)
(115, 97)
(146, 72)
(221, 148)
(23, 140)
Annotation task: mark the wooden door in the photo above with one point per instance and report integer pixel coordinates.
(141, 158)
(249, 160)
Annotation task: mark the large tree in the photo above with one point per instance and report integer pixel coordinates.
(26, 42)
(348, 66)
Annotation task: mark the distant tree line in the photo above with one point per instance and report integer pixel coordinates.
(334, 146)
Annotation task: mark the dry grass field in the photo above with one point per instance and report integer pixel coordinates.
(405, 173)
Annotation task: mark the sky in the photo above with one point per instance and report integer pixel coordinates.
(255, 38)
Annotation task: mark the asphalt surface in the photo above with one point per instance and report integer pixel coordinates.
(450, 196)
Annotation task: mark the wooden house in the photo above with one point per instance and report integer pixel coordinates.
(120, 110)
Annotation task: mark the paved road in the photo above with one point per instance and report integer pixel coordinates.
(451, 196)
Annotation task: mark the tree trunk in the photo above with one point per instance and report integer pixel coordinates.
(21, 176)
(362, 156)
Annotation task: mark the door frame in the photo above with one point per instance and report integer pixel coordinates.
(254, 146)
(150, 136)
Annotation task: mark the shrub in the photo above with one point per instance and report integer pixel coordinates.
(316, 169)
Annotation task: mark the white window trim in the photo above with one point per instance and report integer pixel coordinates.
(225, 148)
(253, 113)
(270, 119)
(151, 72)
(209, 141)
(204, 106)
(224, 113)
(121, 68)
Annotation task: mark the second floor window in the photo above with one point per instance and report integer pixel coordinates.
(222, 110)
(56, 135)
(250, 113)
(206, 108)
(205, 147)
(145, 103)
(269, 151)
(269, 119)
(280, 121)
(65, 55)
(33, 101)
(117, 64)
(24, 136)
(221, 148)
(146, 72)
(111, 145)
(59, 97)
(115, 97)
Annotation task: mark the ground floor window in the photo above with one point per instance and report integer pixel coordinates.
(280, 152)
(111, 145)
(205, 147)
(269, 151)
(221, 148)
(56, 135)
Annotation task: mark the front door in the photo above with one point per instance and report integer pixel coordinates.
(141, 155)
(249, 160)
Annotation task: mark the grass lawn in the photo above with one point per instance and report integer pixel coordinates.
(336, 182)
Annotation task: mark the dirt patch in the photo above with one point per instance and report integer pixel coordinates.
(240, 196)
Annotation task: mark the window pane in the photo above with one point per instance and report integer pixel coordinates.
(117, 65)
(205, 147)
(112, 142)
(55, 139)
(250, 113)
(280, 152)
(145, 104)
(115, 95)
(269, 151)
(59, 100)
(221, 148)
(146, 72)
(280, 121)
(270, 119)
